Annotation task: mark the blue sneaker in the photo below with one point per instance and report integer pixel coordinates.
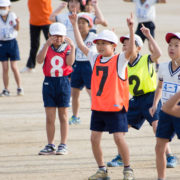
(117, 161)
(49, 149)
(171, 161)
(74, 120)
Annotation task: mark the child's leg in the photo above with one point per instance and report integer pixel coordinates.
(161, 146)
(5, 68)
(96, 147)
(122, 146)
(64, 125)
(75, 92)
(50, 123)
(154, 125)
(16, 73)
(89, 92)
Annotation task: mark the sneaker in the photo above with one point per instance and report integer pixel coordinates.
(117, 161)
(20, 92)
(48, 150)
(171, 161)
(100, 175)
(74, 120)
(27, 70)
(5, 92)
(128, 174)
(62, 149)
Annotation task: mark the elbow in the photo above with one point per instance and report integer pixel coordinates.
(52, 18)
(38, 60)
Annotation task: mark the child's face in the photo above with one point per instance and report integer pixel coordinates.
(174, 49)
(89, 7)
(105, 48)
(126, 44)
(57, 40)
(83, 25)
(74, 4)
(4, 11)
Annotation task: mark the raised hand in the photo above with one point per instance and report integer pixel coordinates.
(130, 21)
(73, 18)
(145, 31)
(69, 41)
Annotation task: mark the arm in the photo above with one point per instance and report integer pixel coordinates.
(161, 1)
(79, 40)
(99, 16)
(157, 98)
(71, 57)
(171, 106)
(131, 47)
(156, 51)
(42, 53)
(128, 0)
(57, 11)
(17, 25)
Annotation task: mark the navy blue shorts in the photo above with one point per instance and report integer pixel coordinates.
(138, 110)
(56, 91)
(9, 50)
(109, 121)
(150, 25)
(168, 126)
(81, 75)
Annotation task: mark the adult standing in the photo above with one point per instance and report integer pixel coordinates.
(39, 11)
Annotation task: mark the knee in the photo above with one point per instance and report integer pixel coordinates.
(95, 140)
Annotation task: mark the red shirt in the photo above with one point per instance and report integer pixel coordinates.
(55, 62)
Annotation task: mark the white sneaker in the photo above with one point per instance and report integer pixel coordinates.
(20, 91)
(27, 70)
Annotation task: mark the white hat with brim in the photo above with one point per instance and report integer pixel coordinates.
(138, 39)
(5, 3)
(57, 29)
(107, 35)
(169, 36)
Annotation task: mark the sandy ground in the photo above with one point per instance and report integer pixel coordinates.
(22, 119)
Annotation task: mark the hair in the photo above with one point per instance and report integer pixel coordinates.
(82, 7)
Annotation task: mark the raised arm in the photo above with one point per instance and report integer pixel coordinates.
(161, 1)
(57, 11)
(131, 47)
(99, 16)
(42, 53)
(156, 51)
(71, 57)
(79, 40)
(128, 0)
(171, 106)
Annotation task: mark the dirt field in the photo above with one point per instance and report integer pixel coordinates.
(22, 119)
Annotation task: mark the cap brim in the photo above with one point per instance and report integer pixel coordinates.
(169, 36)
(103, 40)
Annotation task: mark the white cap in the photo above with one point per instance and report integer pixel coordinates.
(138, 39)
(5, 3)
(107, 35)
(86, 17)
(57, 29)
(169, 36)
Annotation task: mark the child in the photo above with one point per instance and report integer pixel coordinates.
(92, 8)
(168, 85)
(63, 18)
(9, 25)
(82, 71)
(109, 92)
(57, 55)
(145, 14)
(142, 86)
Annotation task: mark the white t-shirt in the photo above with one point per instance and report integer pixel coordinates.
(7, 31)
(64, 18)
(122, 62)
(145, 12)
(89, 43)
(171, 80)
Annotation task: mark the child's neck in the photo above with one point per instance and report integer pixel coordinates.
(84, 35)
(175, 63)
(4, 17)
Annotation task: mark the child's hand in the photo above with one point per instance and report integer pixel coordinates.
(94, 2)
(17, 21)
(145, 31)
(63, 4)
(69, 41)
(152, 110)
(73, 18)
(51, 40)
(130, 22)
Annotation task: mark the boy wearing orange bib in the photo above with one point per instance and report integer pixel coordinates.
(110, 97)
